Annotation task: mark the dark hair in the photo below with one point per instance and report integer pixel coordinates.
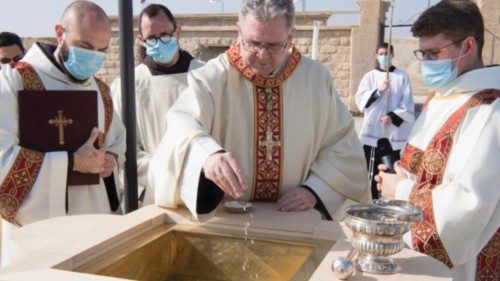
(385, 45)
(154, 10)
(456, 19)
(9, 38)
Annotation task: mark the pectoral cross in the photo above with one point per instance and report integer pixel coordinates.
(269, 145)
(60, 121)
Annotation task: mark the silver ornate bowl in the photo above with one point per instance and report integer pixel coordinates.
(378, 232)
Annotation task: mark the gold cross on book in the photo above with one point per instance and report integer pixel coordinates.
(269, 145)
(60, 121)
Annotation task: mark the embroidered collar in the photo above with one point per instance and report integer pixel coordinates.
(237, 62)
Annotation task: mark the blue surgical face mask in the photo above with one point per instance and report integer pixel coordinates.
(163, 52)
(83, 63)
(383, 60)
(438, 73)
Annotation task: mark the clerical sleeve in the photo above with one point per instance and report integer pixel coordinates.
(406, 108)
(339, 170)
(33, 184)
(367, 92)
(178, 161)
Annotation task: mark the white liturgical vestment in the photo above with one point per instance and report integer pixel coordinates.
(398, 101)
(44, 175)
(285, 131)
(154, 96)
(452, 159)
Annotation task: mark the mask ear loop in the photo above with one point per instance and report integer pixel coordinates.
(460, 56)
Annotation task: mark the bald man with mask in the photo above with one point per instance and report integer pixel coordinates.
(83, 36)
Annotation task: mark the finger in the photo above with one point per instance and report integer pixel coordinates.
(284, 198)
(286, 201)
(240, 175)
(292, 205)
(302, 207)
(93, 136)
(398, 168)
(230, 178)
(382, 167)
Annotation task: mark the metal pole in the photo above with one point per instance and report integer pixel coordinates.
(386, 96)
(303, 5)
(222, 6)
(126, 35)
(314, 47)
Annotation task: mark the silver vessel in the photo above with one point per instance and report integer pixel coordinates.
(378, 232)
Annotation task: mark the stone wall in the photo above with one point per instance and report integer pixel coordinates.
(347, 52)
(206, 36)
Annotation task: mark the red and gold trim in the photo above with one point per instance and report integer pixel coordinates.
(429, 166)
(267, 156)
(108, 109)
(237, 62)
(268, 124)
(19, 181)
(411, 159)
(31, 79)
(488, 261)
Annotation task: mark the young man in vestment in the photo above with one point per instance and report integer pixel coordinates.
(450, 166)
(387, 104)
(11, 48)
(33, 184)
(159, 81)
(260, 122)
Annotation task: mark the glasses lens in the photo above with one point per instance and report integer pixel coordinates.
(165, 38)
(275, 48)
(150, 42)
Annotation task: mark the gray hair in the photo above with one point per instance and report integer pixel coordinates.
(264, 10)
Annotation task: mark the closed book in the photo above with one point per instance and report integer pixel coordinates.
(58, 121)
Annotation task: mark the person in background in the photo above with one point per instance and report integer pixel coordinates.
(11, 48)
(159, 80)
(388, 110)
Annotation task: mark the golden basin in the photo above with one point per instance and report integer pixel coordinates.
(174, 253)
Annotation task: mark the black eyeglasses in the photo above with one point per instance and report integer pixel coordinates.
(433, 53)
(8, 60)
(165, 38)
(271, 48)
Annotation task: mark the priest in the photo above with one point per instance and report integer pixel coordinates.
(33, 184)
(159, 80)
(450, 165)
(260, 122)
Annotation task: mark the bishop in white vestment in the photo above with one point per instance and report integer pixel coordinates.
(44, 175)
(286, 131)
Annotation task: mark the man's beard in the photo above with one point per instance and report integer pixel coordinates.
(63, 56)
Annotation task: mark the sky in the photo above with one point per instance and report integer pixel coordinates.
(36, 18)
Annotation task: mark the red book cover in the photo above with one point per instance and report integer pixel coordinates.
(58, 121)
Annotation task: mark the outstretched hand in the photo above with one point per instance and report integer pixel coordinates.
(223, 169)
